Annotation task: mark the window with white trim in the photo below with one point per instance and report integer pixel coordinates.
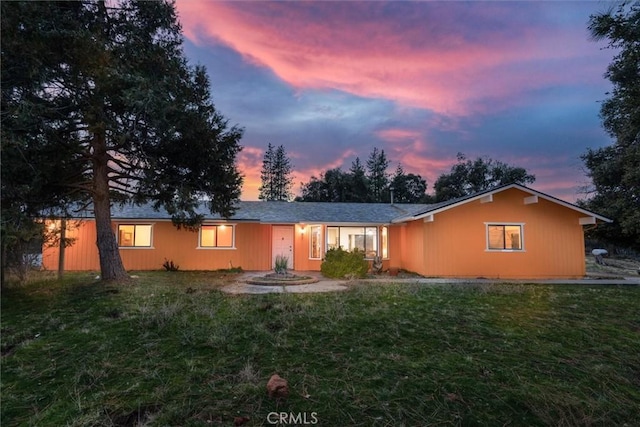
(134, 235)
(504, 237)
(351, 238)
(384, 242)
(216, 236)
(315, 242)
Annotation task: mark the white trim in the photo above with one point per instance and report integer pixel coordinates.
(217, 224)
(134, 223)
(428, 218)
(498, 223)
(487, 199)
(587, 220)
(377, 236)
(499, 190)
(310, 227)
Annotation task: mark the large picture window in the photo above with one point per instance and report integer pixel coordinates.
(216, 236)
(352, 238)
(504, 237)
(134, 235)
(315, 242)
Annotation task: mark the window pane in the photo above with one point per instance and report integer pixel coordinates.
(371, 241)
(333, 236)
(352, 238)
(316, 244)
(496, 236)
(142, 235)
(384, 240)
(208, 236)
(125, 235)
(225, 236)
(512, 237)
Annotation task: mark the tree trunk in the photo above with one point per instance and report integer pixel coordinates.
(111, 266)
(62, 247)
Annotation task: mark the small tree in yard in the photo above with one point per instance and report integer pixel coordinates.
(106, 90)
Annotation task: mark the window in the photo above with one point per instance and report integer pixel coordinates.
(351, 238)
(216, 236)
(384, 242)
(134, 235)
(315, 242)
(504, 237)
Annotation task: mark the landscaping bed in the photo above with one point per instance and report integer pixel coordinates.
(275, 279)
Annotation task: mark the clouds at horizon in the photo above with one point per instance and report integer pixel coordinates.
(518, 82)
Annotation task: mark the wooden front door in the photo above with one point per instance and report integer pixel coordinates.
(282, 243)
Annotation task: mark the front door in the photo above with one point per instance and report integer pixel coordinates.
(282, 243)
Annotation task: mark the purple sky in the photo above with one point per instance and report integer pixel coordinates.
(520, 82)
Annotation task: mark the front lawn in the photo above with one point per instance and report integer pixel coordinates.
(171, 349)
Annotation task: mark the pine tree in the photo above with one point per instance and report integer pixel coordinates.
(615, 169)
(267, 189)
(378, 177)
(112, 98)
(276, 175)
(359, 186)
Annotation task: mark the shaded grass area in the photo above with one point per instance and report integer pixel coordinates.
(171, 349)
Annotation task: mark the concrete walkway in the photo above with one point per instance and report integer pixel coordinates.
(331, 285)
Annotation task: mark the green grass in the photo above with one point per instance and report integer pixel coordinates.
(171, 349)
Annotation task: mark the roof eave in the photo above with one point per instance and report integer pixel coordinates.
(496, 190)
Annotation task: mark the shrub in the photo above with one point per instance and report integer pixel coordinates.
(339, 264)
(170, 266)
(282, 263)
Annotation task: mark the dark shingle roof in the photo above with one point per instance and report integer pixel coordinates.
(289, 212)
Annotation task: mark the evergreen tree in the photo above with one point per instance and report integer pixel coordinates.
(615, 169)
(103, 92)
(267, 188)
(378, 177)
(359, 188)
(276, 175)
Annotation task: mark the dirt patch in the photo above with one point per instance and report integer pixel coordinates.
(136, 417)
(614, 267)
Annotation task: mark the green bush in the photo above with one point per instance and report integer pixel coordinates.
(281, 264)
(339, 264)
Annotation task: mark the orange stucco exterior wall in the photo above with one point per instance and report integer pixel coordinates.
(455, 243)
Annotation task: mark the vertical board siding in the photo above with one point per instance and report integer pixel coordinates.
(454, 244)
(252, 249)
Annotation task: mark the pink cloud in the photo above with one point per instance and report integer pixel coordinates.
(436, 63)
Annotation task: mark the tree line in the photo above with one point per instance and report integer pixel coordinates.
(372, 183)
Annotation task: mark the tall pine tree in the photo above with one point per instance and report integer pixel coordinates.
(378, 177)
(615, 169)
(359, 183)
(276, 175)
(109, 92)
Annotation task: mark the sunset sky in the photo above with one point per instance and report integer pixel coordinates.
(520, 82)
